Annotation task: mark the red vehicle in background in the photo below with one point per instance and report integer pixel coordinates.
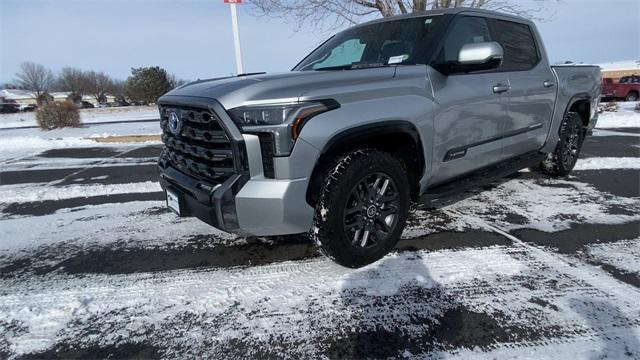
(628, 88)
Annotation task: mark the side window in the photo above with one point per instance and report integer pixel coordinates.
(520, 50)
(466, 30)
(347, 53)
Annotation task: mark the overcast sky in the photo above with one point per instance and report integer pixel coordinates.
(192, 38)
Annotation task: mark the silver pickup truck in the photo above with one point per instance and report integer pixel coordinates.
(401, 110)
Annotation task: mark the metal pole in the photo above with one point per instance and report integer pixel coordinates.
(236, 39)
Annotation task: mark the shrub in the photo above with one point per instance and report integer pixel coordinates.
(58, 114)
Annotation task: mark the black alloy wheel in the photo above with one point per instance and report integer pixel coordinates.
(371, 210)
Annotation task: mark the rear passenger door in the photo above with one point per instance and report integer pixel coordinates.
(533, 87)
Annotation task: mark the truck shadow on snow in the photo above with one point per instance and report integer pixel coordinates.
(396, 309)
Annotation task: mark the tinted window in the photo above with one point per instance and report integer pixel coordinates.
(466, 30)
(624, 80)
(520, 51)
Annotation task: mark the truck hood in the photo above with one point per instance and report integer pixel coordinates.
(232, 92)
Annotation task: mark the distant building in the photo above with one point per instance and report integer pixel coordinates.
(21, 97)
(618, 69)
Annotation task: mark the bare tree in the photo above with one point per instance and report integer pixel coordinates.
(98, 85)
(74, 81)
(119, 91)
(338, 13)
(174, 81)
(35, 78)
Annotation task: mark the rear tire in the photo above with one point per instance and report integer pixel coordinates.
(632, 96)
(362, 208)
(564, 158)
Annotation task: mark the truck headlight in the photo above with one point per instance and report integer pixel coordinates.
(283, 121)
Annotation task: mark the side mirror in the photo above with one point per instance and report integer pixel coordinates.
(489, 54)
(474, 57)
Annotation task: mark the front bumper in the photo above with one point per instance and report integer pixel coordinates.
(247, 203)
(259, 207)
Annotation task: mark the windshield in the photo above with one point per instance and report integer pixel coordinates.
(404, 41)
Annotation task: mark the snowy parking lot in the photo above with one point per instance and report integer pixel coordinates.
(93, 265)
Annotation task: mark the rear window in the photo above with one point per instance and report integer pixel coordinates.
(520, 50)
(630, 80)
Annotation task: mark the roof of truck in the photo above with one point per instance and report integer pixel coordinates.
(450, 11)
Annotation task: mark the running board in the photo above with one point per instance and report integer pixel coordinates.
(445, 194)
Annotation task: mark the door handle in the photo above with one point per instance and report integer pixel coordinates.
(548, 84)
(499, 88)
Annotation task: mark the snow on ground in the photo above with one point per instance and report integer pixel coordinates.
(617, 132)
(87, 116)
(68, 163)
(22, 193)
(622, 254)
(17, 143)
(625, 117)
(322, 306)
(16, 147)
(547, 205)
(138, 223)
(608, 163)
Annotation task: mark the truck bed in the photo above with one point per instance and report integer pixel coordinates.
(577, 80)
(574, 82)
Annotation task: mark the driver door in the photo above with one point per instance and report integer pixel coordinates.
(471, 109)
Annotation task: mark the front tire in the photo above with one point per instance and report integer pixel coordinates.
(362, 208)
(564, 158)
(632, 96)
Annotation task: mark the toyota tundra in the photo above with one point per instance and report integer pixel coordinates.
(404, 110)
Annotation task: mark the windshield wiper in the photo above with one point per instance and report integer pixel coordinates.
(352, 66)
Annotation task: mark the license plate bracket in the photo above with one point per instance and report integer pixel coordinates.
(173, 201)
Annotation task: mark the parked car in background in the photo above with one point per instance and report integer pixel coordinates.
(86, 105)
(8, 106)
(608, 88)
(627, 88)
(28, 107)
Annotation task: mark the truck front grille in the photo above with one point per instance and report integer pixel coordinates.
(199, 147)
